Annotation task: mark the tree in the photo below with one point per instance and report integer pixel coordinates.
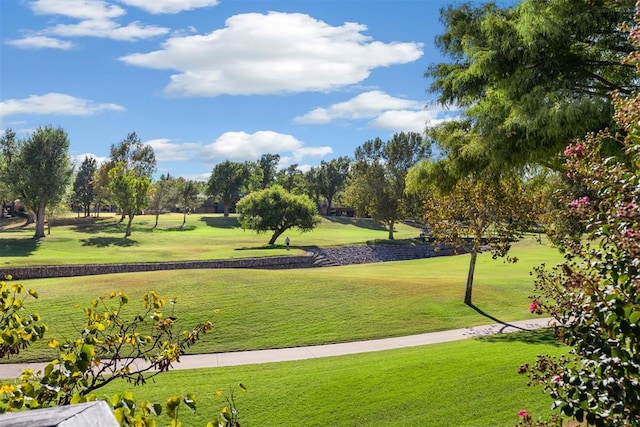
(593, 296)
(163, 195)
(377, 183)
(530, 78)
(291, 179)
(45, 171)
(275, 209)
(229, 181)
(268, 164)
(101, 190)
(133, 155)
(479, 212)
(130, 192)
(187, 192)
(83, 188)
(8, 150)
(332, 177)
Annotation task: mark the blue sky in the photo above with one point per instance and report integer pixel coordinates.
(204, 81)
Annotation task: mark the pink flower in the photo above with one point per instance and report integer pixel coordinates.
(629, 233)
(523, 413)
(534, 306)
(556, 379)
(567, 152)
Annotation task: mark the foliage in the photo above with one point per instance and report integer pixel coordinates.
(43, 171)
(594, 294)
(229, 181)
(267, 165)
(479, 212)
(102, 192)
(188, 193)
(129, 191)
(530, 78)
(135, 155)
(291, 179)
(8, 150)
(275, 209)
(17, 330)
(376, 186)
(111, 346)
(83, 188)
(331, 178)
(162, 195)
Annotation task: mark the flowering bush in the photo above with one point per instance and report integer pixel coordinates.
(595, 294)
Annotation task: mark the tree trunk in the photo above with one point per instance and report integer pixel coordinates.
(157, 216)
(226, 210)
(391, 225)
(184, 218)
(122, 217)
(472, 267)
(39, 222)
(275, 236)
(127, 233)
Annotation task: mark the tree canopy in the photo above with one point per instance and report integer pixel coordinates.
(83, 189)
(530, 78)
(44, 171)
(229, 181)
(130, 192)
(275, 209)
(376, 186)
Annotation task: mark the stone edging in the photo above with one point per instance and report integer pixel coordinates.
(316, 257)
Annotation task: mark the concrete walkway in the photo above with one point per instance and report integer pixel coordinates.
(215, 360)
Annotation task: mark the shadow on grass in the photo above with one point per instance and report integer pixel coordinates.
(540, 336)
(357, 222)
(220, 221)
(103, 242)
(495, 319)
(185, 228)
(258, 248)
(18, 247)
(94, 225)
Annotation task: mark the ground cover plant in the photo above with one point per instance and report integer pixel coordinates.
(255, 309)
(212, 236)
(465, 383)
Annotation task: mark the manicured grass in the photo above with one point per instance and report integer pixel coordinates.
(465, 383)
(212, 236)
(273, 309)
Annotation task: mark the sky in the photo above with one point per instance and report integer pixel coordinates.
(204, 81)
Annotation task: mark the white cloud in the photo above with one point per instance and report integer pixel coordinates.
(41, 42)
(364, 106)
(165, 150)
(79, 9)
(385, 111)
(55, 104)
(238, 147)
(107, 29)
(169, 6)
(96, 18)
(273, 53)
(77, 159)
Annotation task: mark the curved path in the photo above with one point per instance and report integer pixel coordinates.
(215, 360)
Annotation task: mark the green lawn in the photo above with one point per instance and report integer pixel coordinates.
(272, 309)
(466, 383)
(212, 236)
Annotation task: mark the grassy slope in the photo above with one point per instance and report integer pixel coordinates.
(83, 241)
(271, 309)
(467, 383)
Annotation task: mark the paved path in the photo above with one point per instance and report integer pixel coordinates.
(215, 360)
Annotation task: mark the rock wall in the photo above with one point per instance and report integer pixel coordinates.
(316, 257)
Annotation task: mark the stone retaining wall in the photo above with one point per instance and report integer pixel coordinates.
(38, 272)
(342, 255)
